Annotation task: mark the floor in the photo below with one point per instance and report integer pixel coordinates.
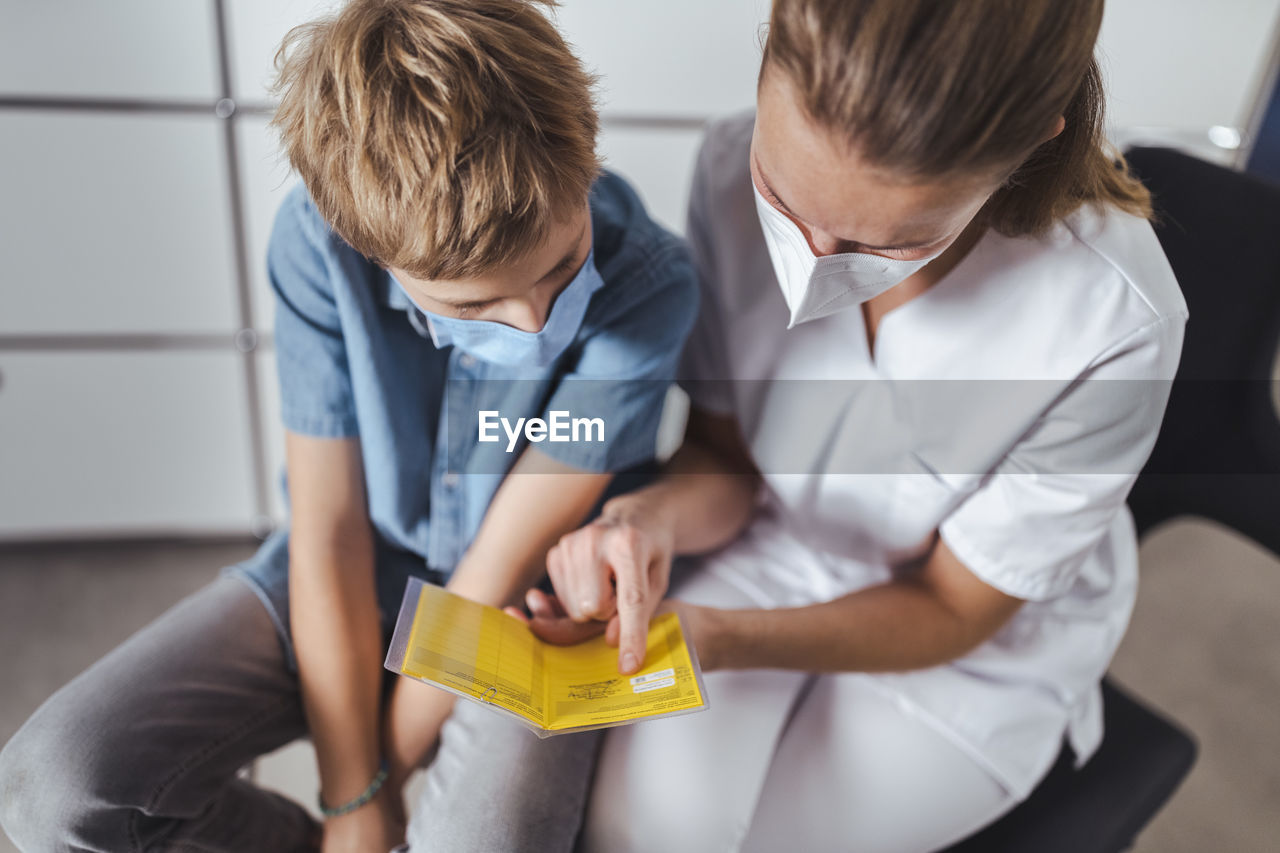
(1204, 646)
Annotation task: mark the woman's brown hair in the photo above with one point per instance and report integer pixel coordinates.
(932, 89)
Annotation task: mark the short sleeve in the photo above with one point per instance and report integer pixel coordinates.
(315, 382)
(704, 370)
(627, 366)
(1031, 525)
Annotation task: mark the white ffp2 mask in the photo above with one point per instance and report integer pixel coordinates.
(815, 287)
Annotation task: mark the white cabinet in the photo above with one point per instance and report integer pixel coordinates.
(267, 179)
(102, 443)
(273, 432)
(108, 48)
(669, 57)
(114, 224)
(256, 28)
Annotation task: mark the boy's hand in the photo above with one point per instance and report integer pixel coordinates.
(615, 571)
(551, 623)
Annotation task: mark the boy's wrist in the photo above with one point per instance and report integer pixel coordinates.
(375, 787)
(488, 588)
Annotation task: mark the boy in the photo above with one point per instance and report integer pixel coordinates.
(456, 250)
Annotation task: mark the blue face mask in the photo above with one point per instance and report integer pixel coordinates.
(505, 345)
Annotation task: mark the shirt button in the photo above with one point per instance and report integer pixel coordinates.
(450, 479)
(468, 361)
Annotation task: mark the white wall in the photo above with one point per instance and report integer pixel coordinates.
(126, 406)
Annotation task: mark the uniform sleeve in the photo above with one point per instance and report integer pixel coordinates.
(626, 367)
(704, 370)
(315, 383)
(1032, 523)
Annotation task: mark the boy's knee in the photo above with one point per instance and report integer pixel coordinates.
(17, 783)
(50, 787)
(484, 832)
(485, 758)
(30, 794)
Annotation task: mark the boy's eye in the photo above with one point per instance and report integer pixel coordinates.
(471, 308)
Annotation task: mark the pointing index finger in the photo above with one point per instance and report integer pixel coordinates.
(634, 610)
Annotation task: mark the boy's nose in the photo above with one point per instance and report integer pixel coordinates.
(527, 315)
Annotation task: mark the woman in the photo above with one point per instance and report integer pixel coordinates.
(917, 569)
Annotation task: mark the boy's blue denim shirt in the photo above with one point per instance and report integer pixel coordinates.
(353, 360)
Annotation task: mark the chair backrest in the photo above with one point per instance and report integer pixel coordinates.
(1218, 452)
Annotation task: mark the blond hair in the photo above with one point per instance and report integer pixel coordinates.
(441, 137)
(929, 89)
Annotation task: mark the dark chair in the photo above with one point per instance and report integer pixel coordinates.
(1217, 456)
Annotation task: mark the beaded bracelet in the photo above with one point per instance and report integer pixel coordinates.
(369, 793)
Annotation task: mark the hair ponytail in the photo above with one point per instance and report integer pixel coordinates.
(1078, 166)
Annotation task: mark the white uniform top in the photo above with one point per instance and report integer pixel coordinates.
(1022, 468)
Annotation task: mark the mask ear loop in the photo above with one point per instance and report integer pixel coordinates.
(431, 330)
(422, 325)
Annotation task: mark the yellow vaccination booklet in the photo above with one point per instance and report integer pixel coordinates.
(483, 654)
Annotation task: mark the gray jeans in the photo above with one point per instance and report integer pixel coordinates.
(142, 751)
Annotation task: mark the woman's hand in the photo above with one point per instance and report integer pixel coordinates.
(378, 826)
(609, 575)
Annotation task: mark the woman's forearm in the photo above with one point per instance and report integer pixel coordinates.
(701, 498)
(337, 638)
(881, 629)
(933, 616)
